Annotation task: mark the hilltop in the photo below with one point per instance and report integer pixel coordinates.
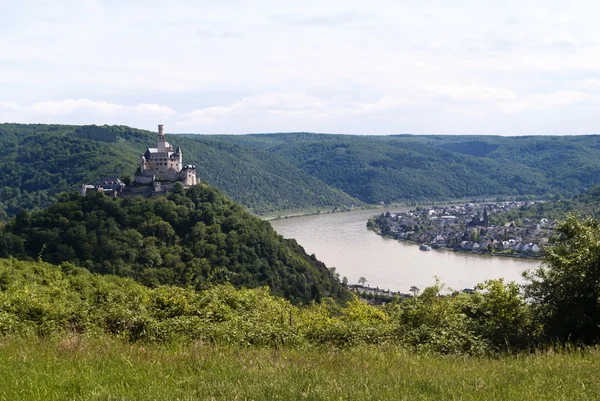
(194, 238)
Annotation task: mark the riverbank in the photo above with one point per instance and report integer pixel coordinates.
(289, 214)
(470, 228)
(458, 250)
(76, 367)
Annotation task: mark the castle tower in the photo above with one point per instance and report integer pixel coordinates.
(161, 139)
(179, 156)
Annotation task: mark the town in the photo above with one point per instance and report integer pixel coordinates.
(468, 228)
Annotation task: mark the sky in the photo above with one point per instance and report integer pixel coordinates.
(351, 67)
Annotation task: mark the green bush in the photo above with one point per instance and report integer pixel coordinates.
(37, 298)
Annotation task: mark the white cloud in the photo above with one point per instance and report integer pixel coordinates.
(338, 65)
(9, 106)
(71, 106)
(146, 108)
(591, 84)
(268, 103)
(68, 107)
(472, 93)
(322, 20)
(85, 111)
(561, 99)
(453, 100)
(295, 106)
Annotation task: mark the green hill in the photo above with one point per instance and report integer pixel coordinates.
(191, 238)
(436, 167)
(259, 179)
(584, 204)
(273, 172)
(39, 161)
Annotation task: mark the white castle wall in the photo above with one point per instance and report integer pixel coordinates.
(164, 164)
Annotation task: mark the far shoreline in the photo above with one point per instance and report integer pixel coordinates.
(460, 251)
(314, 211)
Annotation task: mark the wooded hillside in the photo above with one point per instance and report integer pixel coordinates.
(274, 172)
(192, 238)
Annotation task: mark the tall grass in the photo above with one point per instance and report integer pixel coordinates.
(75, 367)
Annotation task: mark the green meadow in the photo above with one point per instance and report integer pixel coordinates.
(73, 367)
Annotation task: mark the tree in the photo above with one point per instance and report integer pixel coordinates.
(334, 274)
(178, 188)
(502, 315)
(362, 281)
(315, 292)
(415, 290)
(474, 235)
(566, 289)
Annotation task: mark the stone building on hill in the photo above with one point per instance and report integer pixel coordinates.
(162, 164)
(159, 170)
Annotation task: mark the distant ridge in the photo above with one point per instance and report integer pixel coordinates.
(275, 172)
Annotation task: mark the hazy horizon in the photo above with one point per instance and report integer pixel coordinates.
(169, 132)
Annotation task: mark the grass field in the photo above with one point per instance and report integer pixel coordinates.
(74, 368)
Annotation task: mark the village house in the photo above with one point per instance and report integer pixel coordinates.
(468, 228)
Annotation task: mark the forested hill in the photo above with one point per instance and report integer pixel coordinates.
(192, 238)
(273, 172)
(39, 161)
(586, 204)
(435, 167)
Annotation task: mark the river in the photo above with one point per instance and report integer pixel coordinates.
(342, 240)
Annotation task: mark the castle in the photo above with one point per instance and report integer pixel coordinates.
(159, 170)
(162, 164)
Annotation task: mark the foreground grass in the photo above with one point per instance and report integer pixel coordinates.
(75, 368)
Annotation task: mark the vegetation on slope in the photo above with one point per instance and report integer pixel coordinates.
(190, 238)
(584, 204)
(566, 297)
(37, 162)
(430, 167)
(69, 333)
(259, 179)
(37, 298)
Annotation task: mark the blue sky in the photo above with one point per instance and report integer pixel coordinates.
(233, 66)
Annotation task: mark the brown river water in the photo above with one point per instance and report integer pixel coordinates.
(342, 240)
